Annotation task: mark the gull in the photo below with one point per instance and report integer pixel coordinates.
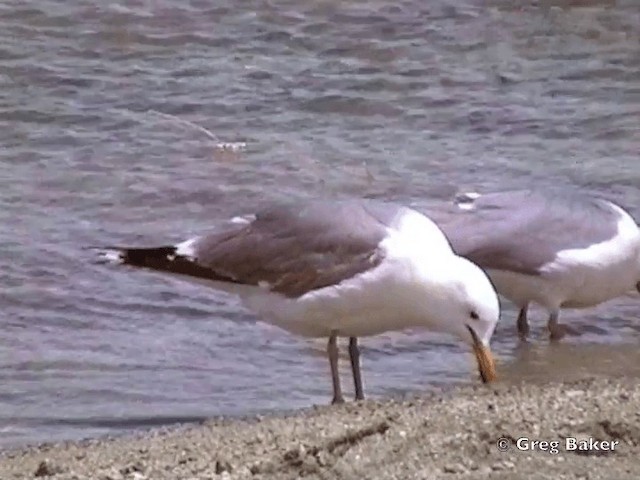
(557, 249)
(342, 268)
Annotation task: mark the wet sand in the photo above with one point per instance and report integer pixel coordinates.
(453, 434)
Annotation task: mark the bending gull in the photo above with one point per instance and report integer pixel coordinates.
(558, 250)
(342, 268)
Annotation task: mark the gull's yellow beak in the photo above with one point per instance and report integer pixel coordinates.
(486, 363)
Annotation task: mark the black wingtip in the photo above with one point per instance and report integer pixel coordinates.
(156, 257)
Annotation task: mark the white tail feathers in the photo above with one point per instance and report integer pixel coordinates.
(466, 200)
(108, 255)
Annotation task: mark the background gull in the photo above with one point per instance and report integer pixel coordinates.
(343, 268)
(556, 249)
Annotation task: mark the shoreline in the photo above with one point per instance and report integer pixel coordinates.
(452, 434)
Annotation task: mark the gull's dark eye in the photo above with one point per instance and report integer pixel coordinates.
(474, 315)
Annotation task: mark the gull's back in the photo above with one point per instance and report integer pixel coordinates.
(522, 231)
(558, 249)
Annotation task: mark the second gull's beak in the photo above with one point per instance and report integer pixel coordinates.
(486, 363)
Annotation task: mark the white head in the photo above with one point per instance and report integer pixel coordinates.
(454, 295)
(467, 307)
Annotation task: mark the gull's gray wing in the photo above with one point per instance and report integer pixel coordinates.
(522, 231)
(289, 249)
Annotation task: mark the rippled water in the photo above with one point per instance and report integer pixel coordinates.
(433, 96)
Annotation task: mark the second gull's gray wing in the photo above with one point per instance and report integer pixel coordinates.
(522, 231)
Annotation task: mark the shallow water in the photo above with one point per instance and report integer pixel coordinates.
(433, 97)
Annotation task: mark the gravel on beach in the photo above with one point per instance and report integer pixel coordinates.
(454, 434)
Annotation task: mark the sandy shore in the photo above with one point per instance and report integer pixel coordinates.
(451, 435)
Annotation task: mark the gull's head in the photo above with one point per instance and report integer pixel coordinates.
(471, 312)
